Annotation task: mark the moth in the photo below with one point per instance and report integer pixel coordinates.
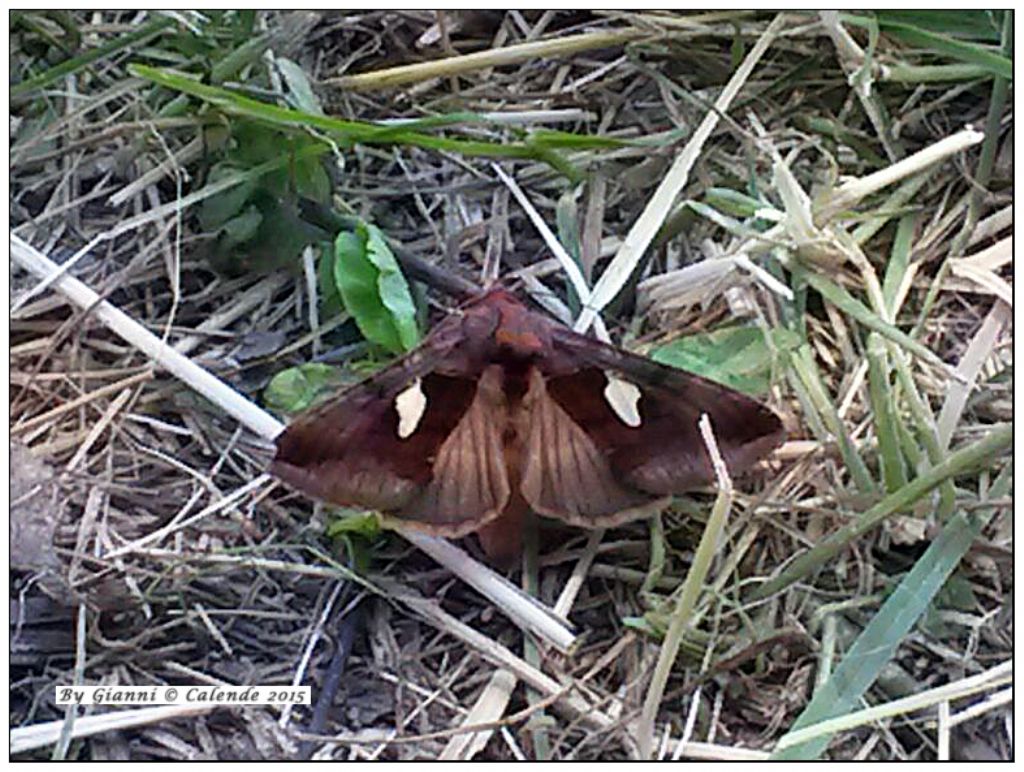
(501, 410)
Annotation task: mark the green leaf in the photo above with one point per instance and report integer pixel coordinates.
(346, 132)
(374, 290)
(738, 357)
(77, 63)
(733, 202)
(357, 529)
(300, 91)
(297, 388)
(981, 453)
(240, 229)
(216, 210)
(646, 625)
(311, 180)
(282, 234)
(358, 522)
(330, 298)
(972, 25)
(944, 44)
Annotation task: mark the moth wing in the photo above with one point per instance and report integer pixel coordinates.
(567, 475)
(447, 474)
(469, 484)
(664, 453)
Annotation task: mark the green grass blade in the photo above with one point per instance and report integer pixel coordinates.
(848, 304)
(77, 63)
(877, 644)
(963, 460)
(899, 262)
(807, 371)
(884, 415)
(968, 53)
(347, 131)
(927, 430)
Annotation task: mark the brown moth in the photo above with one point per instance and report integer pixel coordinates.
(501, 410)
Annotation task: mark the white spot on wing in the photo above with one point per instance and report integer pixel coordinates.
(623, 398)
(410, 404)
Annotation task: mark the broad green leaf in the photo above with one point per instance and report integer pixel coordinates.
(357, 530)
(297, 388)
(738, 357)
(255, 143)
(282, 234)
(374, 290)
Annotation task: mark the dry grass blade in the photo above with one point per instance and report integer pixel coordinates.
(978, 352)
(457, 65)
(28, 738)
(660, 203)
(489, 706)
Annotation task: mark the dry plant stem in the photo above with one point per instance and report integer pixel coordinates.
(573, 586)
(517, 118)
(497, 57)
(682, 615)
(980, 271)
(94, 433)
(505, 659)
(970, 365)
(660, 205)
(530, 613)
(489, 707)
(568, 265)
(712, 752)
(942, 730)
(525, 611)
(991, 226)
(103, 391)
(181, 367)
(27, 738)
(991, 679)
(850, 193)
(234, 310)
